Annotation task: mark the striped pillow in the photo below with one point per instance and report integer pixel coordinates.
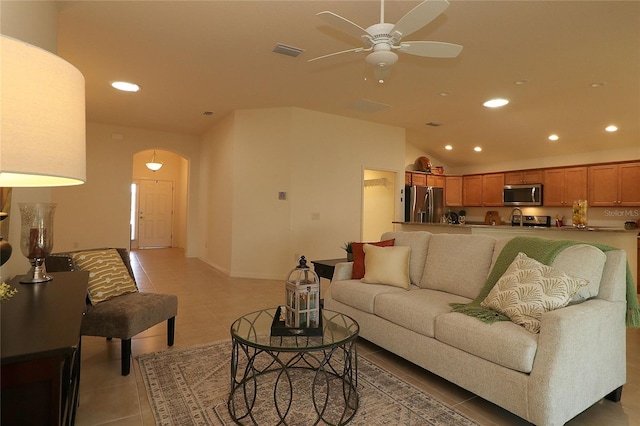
(108, 276)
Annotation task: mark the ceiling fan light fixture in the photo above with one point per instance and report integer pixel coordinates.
(382, 58)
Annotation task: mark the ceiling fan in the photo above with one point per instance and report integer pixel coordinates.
(383, 38)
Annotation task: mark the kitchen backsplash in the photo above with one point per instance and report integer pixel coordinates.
(597, 216)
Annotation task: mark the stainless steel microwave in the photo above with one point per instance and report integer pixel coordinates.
(522, 195)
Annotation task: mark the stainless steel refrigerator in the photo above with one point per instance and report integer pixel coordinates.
(423, 204)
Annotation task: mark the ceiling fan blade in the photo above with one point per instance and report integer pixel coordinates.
(343, 24)
(431, 49)
(356, 50)
(418, 17)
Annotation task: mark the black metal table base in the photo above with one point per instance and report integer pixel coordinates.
(328, 376)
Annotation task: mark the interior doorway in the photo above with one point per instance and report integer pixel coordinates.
(379, 203)
(159, 200)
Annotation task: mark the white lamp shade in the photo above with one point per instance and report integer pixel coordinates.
(42, 108)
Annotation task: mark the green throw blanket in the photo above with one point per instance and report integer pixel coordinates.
(544, 251)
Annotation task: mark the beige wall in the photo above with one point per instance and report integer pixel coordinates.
(96, 214)
(216, 195)
(316, 159)
(17, 20)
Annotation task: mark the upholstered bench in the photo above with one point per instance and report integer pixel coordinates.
(116, 309)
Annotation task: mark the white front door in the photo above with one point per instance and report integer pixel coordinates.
(155, 213)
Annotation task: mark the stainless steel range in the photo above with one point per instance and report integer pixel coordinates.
(543, 221)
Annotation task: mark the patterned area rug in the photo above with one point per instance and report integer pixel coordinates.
(191, 387)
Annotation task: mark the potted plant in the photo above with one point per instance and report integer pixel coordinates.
(347, 247)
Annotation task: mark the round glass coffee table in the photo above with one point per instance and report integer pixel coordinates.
(293, 379)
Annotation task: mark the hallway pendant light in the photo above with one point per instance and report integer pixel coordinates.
(154, 165)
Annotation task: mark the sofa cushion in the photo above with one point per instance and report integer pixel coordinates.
(416, 309)
(386, 265)
(458, 264)
(359, 295)
(503, 342)
(358, 256)
(582, 261)
(108, 275)
(529, 288)
(419, 242)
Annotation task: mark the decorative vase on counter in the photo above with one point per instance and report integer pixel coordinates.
(579, 215)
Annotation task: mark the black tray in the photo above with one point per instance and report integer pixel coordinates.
(278, 328)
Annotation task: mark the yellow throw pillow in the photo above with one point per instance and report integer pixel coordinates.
(528, 289)
(387, 265)
(108, 276)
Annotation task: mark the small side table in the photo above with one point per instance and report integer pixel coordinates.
(325, 268)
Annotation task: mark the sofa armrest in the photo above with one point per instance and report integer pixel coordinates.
(581, 357)
(343, 271)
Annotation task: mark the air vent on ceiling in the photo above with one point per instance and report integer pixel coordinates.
(365, 105)
(434, 124)
(283, 49)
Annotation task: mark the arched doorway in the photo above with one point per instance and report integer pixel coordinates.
(159, 200)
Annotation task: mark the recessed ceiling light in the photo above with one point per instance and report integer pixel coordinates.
(444, 94)
(611, 128)
(477, 149)
(125, 86)
(496, 103)
(448, 147)
(553, 137)
(598, 84)
(521, 82)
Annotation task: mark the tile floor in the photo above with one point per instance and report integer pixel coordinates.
(209, 301)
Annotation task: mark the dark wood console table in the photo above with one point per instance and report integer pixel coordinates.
(325, 268)
(41, 350)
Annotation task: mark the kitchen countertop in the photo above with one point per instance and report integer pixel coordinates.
(527, 228)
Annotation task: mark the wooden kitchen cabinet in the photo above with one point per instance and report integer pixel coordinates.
(472, 191)
(418, 179)
(614, 185)
(453, 191)
(562, 186)
(436, 180)
(523, 176)
(492, 186)
(424, 179)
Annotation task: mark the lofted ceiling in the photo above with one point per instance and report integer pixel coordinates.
(191, 57)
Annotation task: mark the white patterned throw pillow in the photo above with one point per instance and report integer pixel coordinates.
(528, 289)
(108, 276)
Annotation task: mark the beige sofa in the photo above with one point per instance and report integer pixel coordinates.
(578, 357)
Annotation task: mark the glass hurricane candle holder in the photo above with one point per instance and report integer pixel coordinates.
(579, 214)
(36, 238)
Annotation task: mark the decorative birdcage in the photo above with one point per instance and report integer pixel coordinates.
(303, 298)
